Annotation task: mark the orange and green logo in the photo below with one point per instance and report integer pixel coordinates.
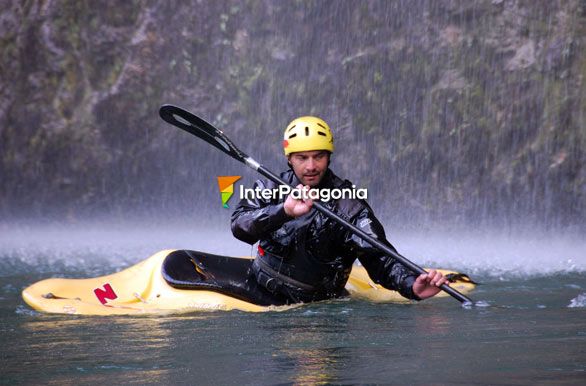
(226, 185)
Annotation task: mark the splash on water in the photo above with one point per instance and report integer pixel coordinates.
(476, 304)
(578, 302)
(26, 311)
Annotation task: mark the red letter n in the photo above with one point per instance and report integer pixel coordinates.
(105, 294)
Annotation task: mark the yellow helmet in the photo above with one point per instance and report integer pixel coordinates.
(306, 134)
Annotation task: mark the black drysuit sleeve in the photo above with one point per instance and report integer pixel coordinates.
(382, 269)
(255, 218)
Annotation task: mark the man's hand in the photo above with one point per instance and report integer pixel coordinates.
(296, 208)
(427, 284)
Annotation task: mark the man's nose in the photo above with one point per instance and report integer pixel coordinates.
(311, 164)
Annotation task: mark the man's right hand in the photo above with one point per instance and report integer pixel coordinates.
(296, 208)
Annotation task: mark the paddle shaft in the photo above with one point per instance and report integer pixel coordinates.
(352, 228)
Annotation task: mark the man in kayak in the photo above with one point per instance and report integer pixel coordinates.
(303, 255)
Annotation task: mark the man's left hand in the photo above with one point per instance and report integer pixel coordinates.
(427, 284)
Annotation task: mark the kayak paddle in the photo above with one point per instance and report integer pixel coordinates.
(192, 124)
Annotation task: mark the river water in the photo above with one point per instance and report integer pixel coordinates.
(531, 329)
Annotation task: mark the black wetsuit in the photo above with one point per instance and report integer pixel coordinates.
(309, 258)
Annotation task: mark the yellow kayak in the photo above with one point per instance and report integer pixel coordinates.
(174, 281)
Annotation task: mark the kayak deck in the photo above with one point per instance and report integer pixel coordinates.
(143, 289)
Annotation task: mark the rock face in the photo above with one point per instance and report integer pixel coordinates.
(465, 110)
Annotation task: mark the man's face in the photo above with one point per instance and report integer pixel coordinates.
(309, 166)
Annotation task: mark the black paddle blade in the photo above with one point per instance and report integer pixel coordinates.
(191, 123)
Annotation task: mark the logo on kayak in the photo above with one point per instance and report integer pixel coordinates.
(226, 185)
(105, 294)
